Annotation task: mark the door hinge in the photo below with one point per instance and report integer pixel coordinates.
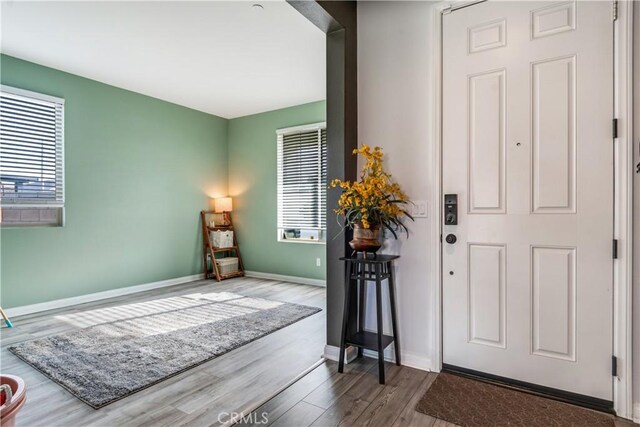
(614, 11)
(614, 366)
(615, 248)
(614, 128)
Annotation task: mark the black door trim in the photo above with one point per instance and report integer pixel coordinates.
(553, 393)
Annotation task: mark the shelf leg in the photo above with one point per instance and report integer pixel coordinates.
(392, 302)
(362, 289)
(380, 329)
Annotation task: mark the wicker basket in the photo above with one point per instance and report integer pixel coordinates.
(222, 239)
(227, 265)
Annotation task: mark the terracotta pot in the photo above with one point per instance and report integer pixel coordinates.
(11, 399)
(366, 239)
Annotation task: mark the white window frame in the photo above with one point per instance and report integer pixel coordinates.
(279, 134)
(17, 210)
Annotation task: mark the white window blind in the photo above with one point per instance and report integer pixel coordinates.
(302, 182)
(31, 148)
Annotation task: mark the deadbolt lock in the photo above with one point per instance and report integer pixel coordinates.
(451, 209)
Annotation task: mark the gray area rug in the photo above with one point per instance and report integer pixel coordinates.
(155, 340)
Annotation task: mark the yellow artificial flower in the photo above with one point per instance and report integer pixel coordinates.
(375, 198)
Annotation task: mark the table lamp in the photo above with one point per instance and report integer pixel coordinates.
(223, 205)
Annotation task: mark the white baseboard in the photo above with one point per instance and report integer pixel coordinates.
(67, 302)
(283, 278)
(408, 359)
(411, 360)
(332, 352)
(636, 412)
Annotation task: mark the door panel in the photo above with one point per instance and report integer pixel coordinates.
(553, 285)
(487, 128)
(487, 36)
(554, 134)
(527, 147)
(487, 294)
(553, 19)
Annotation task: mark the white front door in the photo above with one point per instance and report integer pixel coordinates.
(528, 150)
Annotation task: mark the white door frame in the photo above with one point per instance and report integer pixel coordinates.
(623, 230)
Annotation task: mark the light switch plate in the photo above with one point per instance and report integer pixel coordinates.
(420, 209)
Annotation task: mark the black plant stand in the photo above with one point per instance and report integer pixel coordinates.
(359, 270)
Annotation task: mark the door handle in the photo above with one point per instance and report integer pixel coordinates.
(451, 239)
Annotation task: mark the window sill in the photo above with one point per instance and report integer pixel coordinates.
(6, 226)
(303, 241)
(31, 216)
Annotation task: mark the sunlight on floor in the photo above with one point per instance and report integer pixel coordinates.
(158, 316)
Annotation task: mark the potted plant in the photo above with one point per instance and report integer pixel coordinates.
(371, 204)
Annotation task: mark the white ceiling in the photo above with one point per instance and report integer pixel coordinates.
(223, 57)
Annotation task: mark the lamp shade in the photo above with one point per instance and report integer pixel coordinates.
(223, 204)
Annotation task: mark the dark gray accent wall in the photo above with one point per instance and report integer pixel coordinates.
(339, 20)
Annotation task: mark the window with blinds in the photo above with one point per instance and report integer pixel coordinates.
(302, 183)
(31, 157)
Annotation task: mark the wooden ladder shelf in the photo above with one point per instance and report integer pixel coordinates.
(209, 251)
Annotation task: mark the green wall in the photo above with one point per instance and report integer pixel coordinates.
(137, 172)
(252, 184)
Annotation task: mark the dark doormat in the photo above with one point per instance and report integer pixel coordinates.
(468, 402)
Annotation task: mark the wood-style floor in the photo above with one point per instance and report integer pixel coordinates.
(326, 398)
(202, 396)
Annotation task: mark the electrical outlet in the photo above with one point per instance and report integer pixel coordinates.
(318, 262)
(420, 209)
